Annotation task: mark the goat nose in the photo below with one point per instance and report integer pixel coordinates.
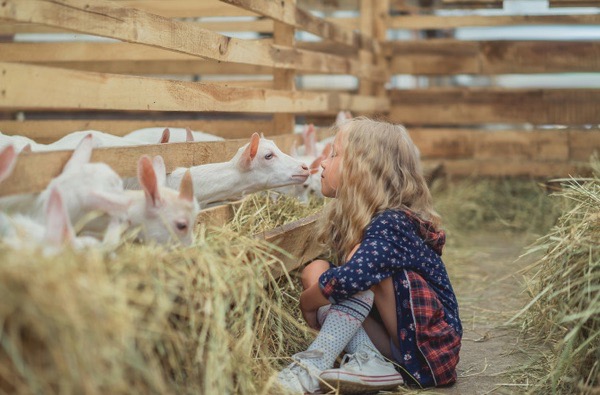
(305, 167)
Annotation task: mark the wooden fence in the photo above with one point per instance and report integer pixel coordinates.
(157, 63)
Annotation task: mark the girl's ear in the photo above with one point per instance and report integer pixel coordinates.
(250, 152)
(8, 159)
(165, 137)
(148, 181)
(82, 153)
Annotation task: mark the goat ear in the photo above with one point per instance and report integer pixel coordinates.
(8, 158)
(189, 136)
(316, 163)
(111, 203)
(82, 153)
(186, 189)
(160, 170)
(148, 181)
(250, 152)
(294, 150)
(165, 137)
(26, 148)
(314, 170)
(58, 225)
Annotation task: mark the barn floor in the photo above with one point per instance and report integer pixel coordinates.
(484, 269)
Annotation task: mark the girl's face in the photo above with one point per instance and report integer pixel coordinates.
(330, 177)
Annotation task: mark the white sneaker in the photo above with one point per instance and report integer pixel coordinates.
(301, 376)
(364, 371)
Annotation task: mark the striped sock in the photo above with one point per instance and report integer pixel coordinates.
(360, 338)
(342, 322)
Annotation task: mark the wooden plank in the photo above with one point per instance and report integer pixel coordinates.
(132, 25)
(258, 26)
(284, 79)
(463, 106)
(416, 6)
(48, 131)
(480, 144)
(574, 3)
(287, 12)
(419, 22)
(298, 239)
(59, 89)
(504, 168)
(439, 57)
(583, 144)
(184, 8)
(123, 160)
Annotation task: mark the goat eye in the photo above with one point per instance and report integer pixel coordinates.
(181, 225)
(269, 156)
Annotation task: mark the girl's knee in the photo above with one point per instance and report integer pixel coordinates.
(312, 272)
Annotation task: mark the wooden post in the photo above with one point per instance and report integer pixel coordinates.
(373, 22)
(284, 79)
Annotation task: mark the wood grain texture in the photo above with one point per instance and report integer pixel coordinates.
(59, 89)
(440, 57)
(102, 18)
(463, 106)
(419, 22)
(287, 12)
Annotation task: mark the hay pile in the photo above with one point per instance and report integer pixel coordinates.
(565, 287)
(205, 319)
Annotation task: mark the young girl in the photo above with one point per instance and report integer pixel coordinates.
(390, 305)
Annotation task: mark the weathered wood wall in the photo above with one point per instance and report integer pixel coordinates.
(158, 63)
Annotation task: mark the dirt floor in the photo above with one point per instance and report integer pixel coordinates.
(483, 269)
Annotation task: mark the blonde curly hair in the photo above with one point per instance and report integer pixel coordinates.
(380, 169)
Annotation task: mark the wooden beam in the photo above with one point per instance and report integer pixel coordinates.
(132, 25)
(574, 3)
(441, 57)
(184, 8)
(583, 144)
(504, 168)
(463, 106)
(48, 131)
(60, 89)
(284, 79)
(481, 144)
(298, 239)
(123, 160)
(416, 6)
(418, 22)
(287, 12)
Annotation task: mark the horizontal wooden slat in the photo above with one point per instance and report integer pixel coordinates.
(48, 131)
(123, 160)
(583, 144)
(52, 88)
(456, 106)
(521, 168)
(546, 145)
(418, 22)
(137, 59)
(184, 8)
(435, 57)
(132, 25)
(298, 239)
(422, 5)
(288, 13)
(574, 3)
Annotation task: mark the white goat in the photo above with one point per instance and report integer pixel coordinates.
(163, 215)
(258, 165)
(86, 186)
(20, 143)
(51, 236)
(100, 139)
(177, 135)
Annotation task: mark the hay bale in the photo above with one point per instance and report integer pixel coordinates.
(565, 290)
(205, 319)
